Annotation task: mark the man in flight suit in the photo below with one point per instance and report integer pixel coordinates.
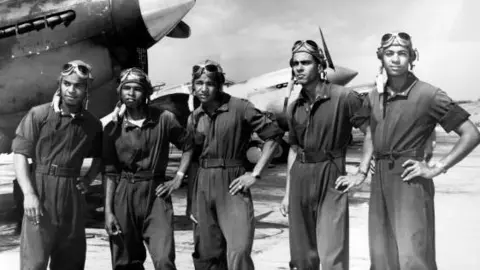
(138, 206)
(320, 124)
(57, 142)
(222, 128)
(402, 117)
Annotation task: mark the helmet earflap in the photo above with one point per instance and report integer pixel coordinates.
(221, 78)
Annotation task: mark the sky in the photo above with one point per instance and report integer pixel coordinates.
(252, 37)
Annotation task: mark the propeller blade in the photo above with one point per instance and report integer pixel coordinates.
(327, 53)
(182, 30)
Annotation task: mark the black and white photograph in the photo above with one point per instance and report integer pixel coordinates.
(239, 135)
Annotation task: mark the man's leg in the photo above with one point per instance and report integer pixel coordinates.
(69, 251)
(383, 247)
(332, 230)
(209, 242)
(36, 243)
(127, 249)
(237, 221)
(415, 223)
(158, 234)
(302, 221)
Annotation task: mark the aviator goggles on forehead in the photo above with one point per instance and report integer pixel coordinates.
(207, 67)
(138, 74)
(402, 37)
(311, 45)
(82, 70)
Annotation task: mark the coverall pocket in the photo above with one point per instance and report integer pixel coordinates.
(245, 198)
(336, 191)
(166, 204)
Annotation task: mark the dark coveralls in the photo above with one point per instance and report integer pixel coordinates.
(318, 213)
(57, 145)
(137, 157)
(224, 233)
(401, 214)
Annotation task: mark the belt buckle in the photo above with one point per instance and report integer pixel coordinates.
(222, 163)
(130, 177)
(329, 155)
(52, 170)
(302, 157)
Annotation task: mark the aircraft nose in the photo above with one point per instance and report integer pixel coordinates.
(142, 23)
(161, 16)
(341, 75)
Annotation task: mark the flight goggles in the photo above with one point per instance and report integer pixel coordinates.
(310, 45)
(403, 39)
(208, 67)
(136, 73)
(82, 69)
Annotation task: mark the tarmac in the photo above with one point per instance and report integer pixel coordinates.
(457, 199)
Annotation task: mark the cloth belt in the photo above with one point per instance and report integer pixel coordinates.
(220, 163)
(57, 170)
(133, 177)
(391, 156)
(319, 156)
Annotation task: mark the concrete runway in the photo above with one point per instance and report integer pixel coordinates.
(457, 200)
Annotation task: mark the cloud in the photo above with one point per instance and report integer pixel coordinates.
(251, 37)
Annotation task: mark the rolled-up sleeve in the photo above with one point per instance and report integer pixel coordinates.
(446, 112)
(179, 136)
(292, 135)
(262, 123)
(26, 134)
(109, 152)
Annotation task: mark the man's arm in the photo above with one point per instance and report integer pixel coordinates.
(292, 155)
(246, 181)
(450, 116)
(469, 139)
(169, 186)
(268, 149)
(358, 108)
(367, 148)
(110, 187)
(266, 127)
(430, 146)
(85, 181)
(352, 181)
(110, 175)
(31, 203)
(96, 152)
(182, 138)
(111, 223)
(23, 146)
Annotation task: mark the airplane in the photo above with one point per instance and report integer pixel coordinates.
(37, 37)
